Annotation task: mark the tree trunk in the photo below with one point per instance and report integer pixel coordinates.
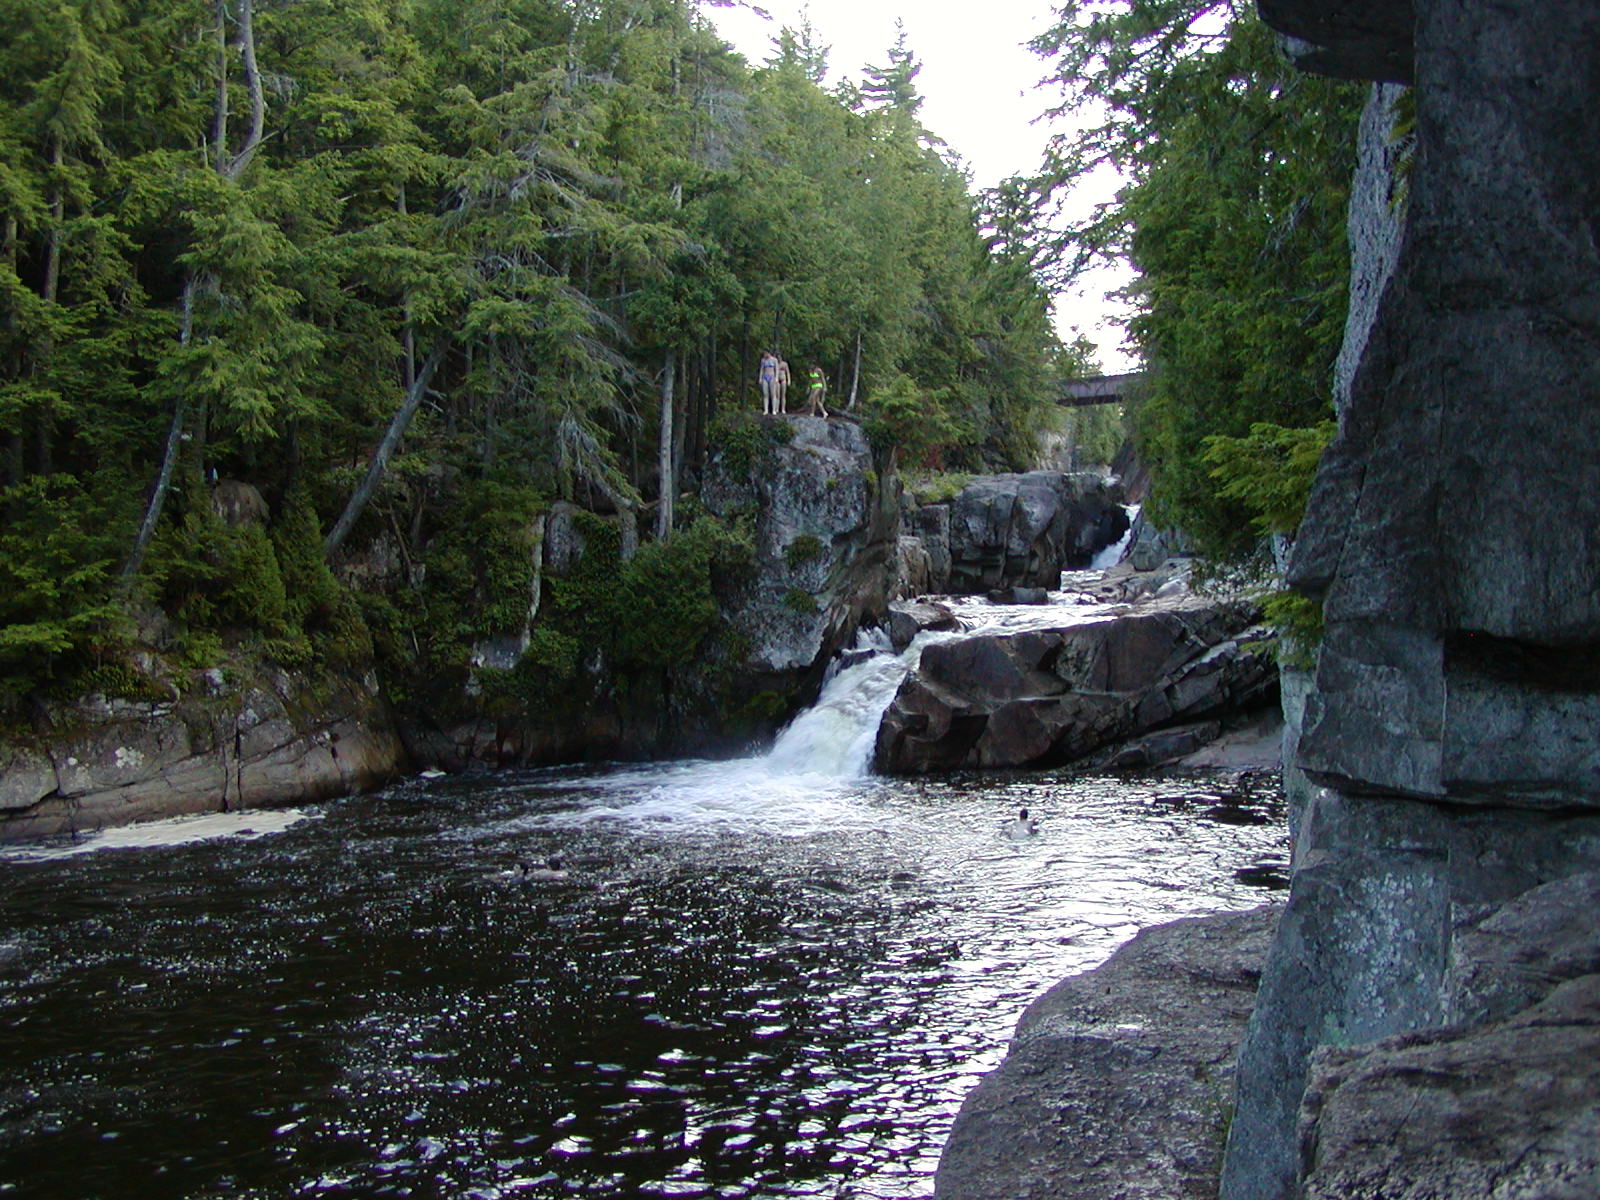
(219, 107)
(252, 82)
(58, 207)
(680, 428)
(668, 484)
(169, 454)
(228, 168)
(855, 377)
(408, 339)
(380, 458)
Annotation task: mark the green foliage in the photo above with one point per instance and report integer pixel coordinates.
(1270, 471)
(57, 543)
(1298, 620)
(216, 577)
(658, 610)
(918, 422)
(542, 202)
(744, 440)
(1096, 433)
(543, 678)
(116, 681)
(936, 487)
(478, 581)
(1239, 172)
(800, 601)
(806, 548)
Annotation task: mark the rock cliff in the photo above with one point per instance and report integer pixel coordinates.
(1452, 722)
(824, 524)
(1006, 531)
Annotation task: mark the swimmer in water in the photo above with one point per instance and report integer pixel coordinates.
(1024, 826)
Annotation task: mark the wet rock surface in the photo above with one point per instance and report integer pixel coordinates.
(1118, 1082)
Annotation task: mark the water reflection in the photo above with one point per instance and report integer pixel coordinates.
(742, 984)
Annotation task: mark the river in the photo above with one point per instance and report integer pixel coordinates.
(763, 978)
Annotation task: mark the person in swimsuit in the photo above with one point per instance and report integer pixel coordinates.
(783, 385)
(767, 378)
(818, 383)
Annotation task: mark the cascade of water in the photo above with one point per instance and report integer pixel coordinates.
(835, 736)
(1112, 555)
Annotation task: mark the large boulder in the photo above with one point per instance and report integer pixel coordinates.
(1024, 530)
(1054, 695)
(1116, 1085)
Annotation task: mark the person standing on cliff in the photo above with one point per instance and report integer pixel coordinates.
(818, 384)
(767, 380)
(783, 385)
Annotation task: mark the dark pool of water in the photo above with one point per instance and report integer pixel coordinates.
(735, 985)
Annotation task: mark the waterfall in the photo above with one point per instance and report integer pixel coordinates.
(835, 736)
(1112, 555)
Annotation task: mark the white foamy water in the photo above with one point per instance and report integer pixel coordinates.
(1112, 555)
(834, 738)
(740, 796)
(815, 779)
(174, 831)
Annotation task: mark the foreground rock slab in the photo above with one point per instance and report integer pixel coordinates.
(1426, 1114)
(1118, 1082)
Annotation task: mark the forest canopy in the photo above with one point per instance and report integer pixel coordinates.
(1237, 170)
(390, 263)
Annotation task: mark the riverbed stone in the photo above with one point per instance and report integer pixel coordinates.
(906, 620)
(1117, 1083)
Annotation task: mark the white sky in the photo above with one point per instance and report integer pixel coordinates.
(978, 81)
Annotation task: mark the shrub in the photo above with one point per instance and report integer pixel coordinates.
(804, 549)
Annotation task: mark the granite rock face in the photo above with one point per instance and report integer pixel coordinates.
(1428, 1114)
(1054, 695)
(827, 537)
(273, 744)
(1024, 530)
(1116, 1086)
(1476, 388)
(1439, 890)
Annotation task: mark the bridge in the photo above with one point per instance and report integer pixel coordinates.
(1102, 389)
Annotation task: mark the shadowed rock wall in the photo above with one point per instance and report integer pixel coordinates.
(1453, 720)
